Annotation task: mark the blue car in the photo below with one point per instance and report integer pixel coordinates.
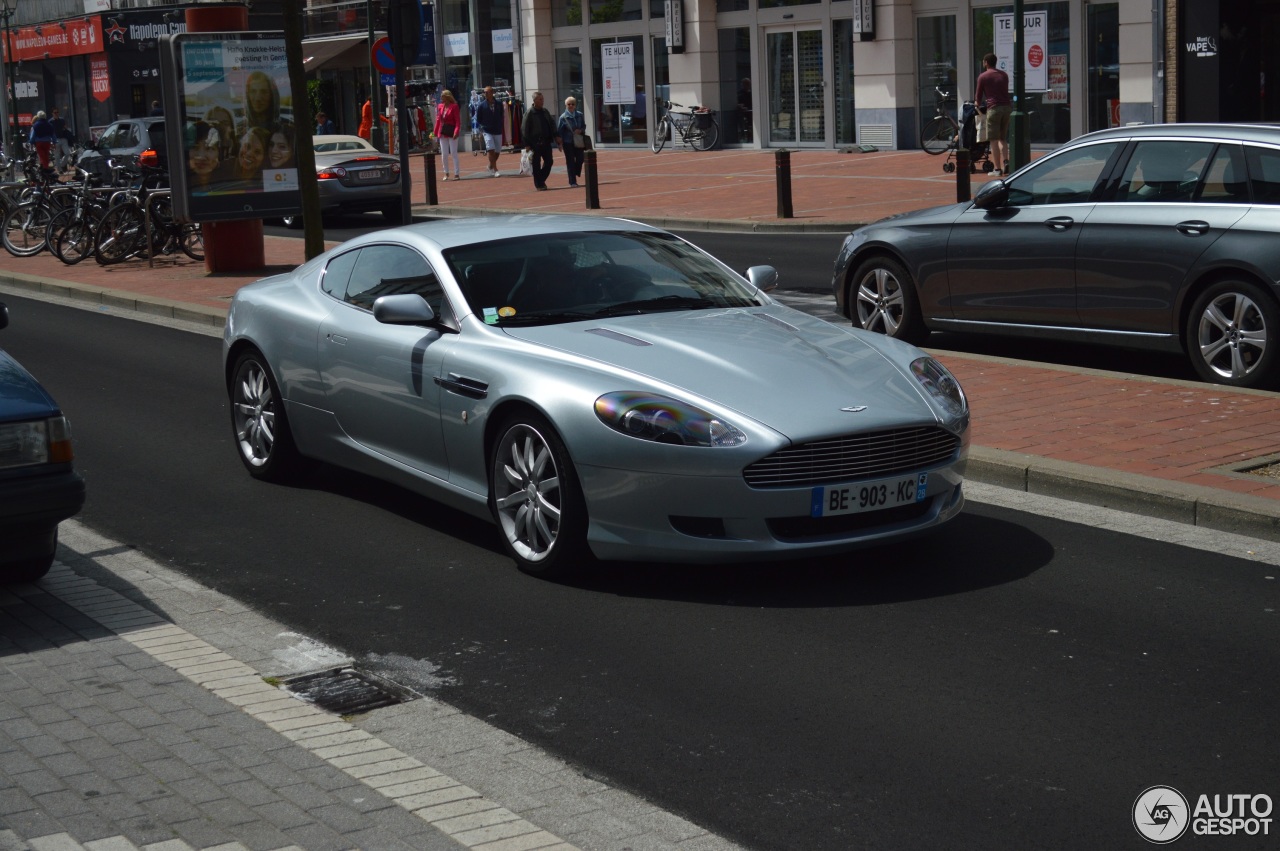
(39, 486)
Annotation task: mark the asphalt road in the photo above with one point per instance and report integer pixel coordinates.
(1014, 682)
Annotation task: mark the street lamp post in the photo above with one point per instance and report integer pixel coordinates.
(8, 8)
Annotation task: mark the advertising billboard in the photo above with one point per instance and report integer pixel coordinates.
(230, 131)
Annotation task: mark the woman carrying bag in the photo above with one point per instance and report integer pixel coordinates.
(448, 128)
(572, 128)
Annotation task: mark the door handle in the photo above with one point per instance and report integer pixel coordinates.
(1060, 223)
(1193, 228)
(337, 339)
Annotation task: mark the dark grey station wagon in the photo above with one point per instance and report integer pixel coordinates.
(1163, 236)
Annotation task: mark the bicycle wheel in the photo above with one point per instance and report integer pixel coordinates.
(939, 134)
(705, 138)
(120, 234)
(191, 241)
(25, 228)
(661, 134)
(72, 241)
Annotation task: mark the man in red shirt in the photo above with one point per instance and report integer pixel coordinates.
(993, 95)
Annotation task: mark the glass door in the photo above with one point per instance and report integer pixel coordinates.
(797, 75)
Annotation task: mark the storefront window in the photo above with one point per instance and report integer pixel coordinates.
(775, 4)
(936, 55)
(842, 61)
(456, 16)
(620, 122)
(1048, 112)
(1103, 96)
(566, 13)
(736, 95)
(569, 82)
(661, 71)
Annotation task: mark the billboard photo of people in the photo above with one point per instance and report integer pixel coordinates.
(236, 124)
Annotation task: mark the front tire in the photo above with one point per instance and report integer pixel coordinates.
(26, 229)
(258, 422)
(939, 135)
(1230, 335)
(884, 300)
(536, 500)
(661, 134)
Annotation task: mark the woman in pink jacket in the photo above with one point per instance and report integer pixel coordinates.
(448, 128)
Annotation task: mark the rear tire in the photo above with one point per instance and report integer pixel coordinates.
(119, 235)
(191, 241)
(259, 425)
(1233, 335)
(882, 298)
(26, 229)
(707, 137)
(392, 213)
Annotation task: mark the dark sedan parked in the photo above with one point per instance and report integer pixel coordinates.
(1157, 236)
(38, 486)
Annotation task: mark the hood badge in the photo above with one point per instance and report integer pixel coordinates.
(854, 409)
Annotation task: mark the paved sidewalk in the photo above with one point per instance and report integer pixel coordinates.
(141, 710)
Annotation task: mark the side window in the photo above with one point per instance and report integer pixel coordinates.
(135, 136)
(1264, 174)
(338, 273)
(111, 137)
(1163, 171)
(1226, 181)
(392, 270)
(1067, 178)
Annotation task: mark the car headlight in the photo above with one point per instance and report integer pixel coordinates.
(941, 385)
(37, 442)
(665, 420)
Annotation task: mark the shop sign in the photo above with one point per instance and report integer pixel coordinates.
(54, 41)
(100, 79)
(1058, 84)
(138, 30)
(673, 13)
(503, 41)
(1203, 47)
(619, 67)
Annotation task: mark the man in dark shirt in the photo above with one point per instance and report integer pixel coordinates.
(539, 134)
(490, 120)
(993, 95)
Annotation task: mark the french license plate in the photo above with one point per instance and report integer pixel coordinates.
(370, 174)
(868, 496)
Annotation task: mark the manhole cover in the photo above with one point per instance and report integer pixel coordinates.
(345, 691)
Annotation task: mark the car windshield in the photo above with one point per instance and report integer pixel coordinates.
(571, 277)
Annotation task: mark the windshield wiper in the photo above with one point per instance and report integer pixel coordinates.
(545, 318)
(645, 305)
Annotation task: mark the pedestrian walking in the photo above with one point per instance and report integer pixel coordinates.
(42, 138)
(365, 130)
(539, 135)
(992, 98)
(62, 141)
(572, 129)
(489, 120)
(448, 127)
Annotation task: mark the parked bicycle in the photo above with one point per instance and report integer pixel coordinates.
(696, 125)
(942, 132)
(134, 214)
(70, 231)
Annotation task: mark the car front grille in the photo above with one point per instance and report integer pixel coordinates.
(871, 455)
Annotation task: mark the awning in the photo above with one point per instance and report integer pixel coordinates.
(347, 51)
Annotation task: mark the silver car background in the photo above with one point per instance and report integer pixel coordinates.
(1159, 237)
(596, 387)
(354, 177)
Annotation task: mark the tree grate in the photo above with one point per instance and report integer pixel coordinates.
(346, 691)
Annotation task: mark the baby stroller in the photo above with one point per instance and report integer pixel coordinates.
(979, 152)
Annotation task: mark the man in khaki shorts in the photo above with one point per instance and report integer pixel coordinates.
(993, 95)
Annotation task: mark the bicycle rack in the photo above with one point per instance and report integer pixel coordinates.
(146, 218)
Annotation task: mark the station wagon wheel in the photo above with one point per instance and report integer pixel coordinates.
(1229, 335)
(535, 498)
(884, 300)
(258, 421)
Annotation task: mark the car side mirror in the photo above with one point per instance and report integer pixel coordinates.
(993, 196)
(405, 309)
(763, 278)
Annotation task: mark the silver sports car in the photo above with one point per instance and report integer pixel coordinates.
(598, 388)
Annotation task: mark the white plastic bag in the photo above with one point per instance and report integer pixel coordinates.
(526, 161)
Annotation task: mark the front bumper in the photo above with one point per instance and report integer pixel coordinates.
(40, 501)
(652, 517)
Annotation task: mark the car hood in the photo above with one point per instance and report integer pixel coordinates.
(21, 396)
(789, 371)
(945, 213)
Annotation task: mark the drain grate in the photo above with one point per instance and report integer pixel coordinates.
(346, 691)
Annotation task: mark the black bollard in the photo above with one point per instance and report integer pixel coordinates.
(429, 163)
(963, 167)
(589, 174)
(782, 168)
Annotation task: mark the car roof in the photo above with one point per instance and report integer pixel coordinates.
(471, 230)
(1220, 132)
(336, 137)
